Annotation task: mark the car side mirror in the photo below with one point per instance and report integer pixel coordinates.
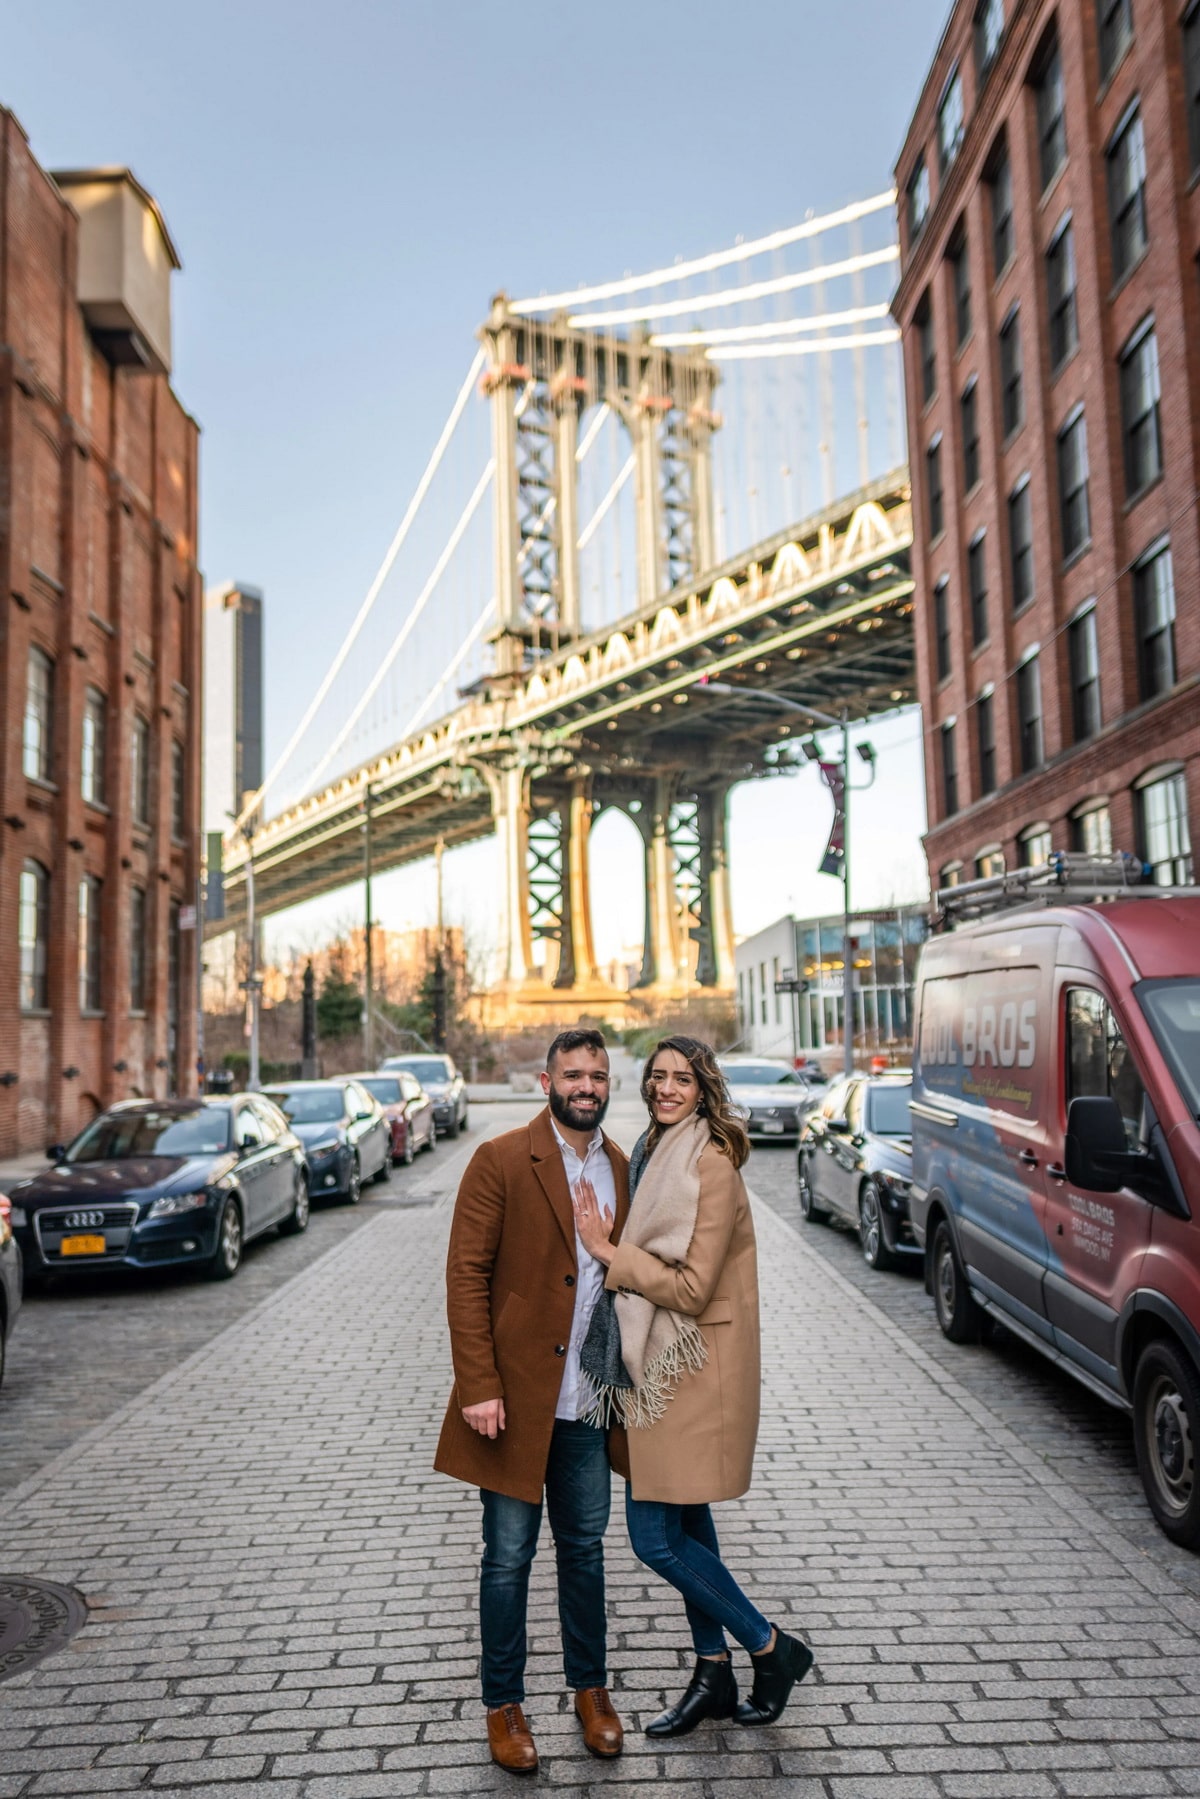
(246, 1143)
(839, 1126)
(56, 1152)
(1098, 1156)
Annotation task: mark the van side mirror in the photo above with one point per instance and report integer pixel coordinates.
(839, 1126)
(1098, 1155)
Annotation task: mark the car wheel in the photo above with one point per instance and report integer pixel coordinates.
(384, 1171)
(297, 1219)
(957, 1312)
(354, 1184)
(871, 1237)
(1166, 1418)
(811, 1211)
(410, 1154)
(227, 1257)
(462, 1123)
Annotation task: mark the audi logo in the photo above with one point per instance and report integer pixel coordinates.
(79, 1221)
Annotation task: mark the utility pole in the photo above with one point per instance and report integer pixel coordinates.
(439, 956)
(253, 981)
(369, 972)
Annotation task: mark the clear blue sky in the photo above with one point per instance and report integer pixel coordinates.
(348, 184)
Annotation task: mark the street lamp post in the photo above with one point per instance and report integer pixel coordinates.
(842, 724)
(253, 982)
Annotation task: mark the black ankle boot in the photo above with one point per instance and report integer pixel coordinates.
(775, 1674)
(711, 1693)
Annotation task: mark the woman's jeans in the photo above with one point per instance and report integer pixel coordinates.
(578, 1497)
(680, 1543)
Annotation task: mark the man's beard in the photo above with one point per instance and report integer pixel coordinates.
(566, 1114)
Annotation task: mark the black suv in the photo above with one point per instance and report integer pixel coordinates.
(855, 1159)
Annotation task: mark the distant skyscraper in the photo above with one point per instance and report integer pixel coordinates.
(233, 702)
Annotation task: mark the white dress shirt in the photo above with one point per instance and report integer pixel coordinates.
(575, 1395)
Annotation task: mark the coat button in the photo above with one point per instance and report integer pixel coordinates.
(569, 1279)
(560, 1349)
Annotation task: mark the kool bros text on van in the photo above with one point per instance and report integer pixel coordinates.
(1056, 1155)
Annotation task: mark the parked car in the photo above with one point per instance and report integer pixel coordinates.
(855, 1160)
(408, 1110)
(769, 1095)
(345, 1135)
(153, 1183)
(10, 1278)
(1056, 1156)
(444, 1085)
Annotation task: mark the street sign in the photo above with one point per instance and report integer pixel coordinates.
(791, 986)
(187, 918)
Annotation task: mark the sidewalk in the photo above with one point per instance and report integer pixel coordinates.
(283, 1594)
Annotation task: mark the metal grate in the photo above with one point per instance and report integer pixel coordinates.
(36, 1619)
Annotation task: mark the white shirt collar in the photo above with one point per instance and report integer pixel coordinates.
(596, 1138)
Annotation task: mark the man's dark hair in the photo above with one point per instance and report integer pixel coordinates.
(576, 1039)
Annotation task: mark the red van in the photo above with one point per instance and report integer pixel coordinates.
(1056, 1147)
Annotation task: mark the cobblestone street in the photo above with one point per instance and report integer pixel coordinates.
(283, 1595)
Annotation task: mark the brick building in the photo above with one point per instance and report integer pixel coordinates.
(100, 614)
(1050, 309)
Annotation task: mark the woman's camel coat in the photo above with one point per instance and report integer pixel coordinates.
(702, 1448)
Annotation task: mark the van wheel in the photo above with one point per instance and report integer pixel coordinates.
(874, 1244)
(1166, 1417)
(812, 1212)
(957, 1312)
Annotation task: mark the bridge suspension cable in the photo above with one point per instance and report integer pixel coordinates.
(732, 334)
(331, 674)
(808, 346)
(736, 296)
(451, 669)
(597, 518)
(703, 265)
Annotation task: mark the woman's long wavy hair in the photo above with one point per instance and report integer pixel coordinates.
(728, 1130)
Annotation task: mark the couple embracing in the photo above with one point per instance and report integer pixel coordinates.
(604, 1315)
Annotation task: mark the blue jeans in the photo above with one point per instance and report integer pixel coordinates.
(680, 1543)
(578, 1497)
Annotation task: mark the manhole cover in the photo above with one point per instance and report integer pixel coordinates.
(36, 1618)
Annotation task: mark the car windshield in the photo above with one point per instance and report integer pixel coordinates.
(115, 1135)
(309, 1105)
(889, 1109)
(760, 1074)
(1173, 1008)
(428, 1070)
(385, 1087)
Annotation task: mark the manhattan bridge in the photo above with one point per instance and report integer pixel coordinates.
(697, 472)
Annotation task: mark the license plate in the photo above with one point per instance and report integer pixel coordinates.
(83, 1246)
(772, 1128)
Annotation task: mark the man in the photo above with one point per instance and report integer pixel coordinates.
(521, 1290)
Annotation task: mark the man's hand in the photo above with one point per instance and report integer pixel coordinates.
(487, 1419)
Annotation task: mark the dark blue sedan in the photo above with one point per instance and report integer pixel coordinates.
(156, 1183)
(346, 1137)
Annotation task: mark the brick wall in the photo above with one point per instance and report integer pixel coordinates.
(98, 567)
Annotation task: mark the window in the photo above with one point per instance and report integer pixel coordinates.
(941, 626)
(249, 1128)
(1166, 844)
(1051, 116)
(949, 768)
(92, 774)
(969, 406)
(1060, 295)
(1099, 1065)
(1074, 513)
(977, 585)
(989, 29)
(1140, 395)
(1083, 656)
(1029, 713)
(960, 263)
(139, 768)
(1033, 846)
(1127, 193)
(990, 862)
(39, 715)
(33, 930)
(178, 791)
(89, 944)
(933, 485)
(1154, 622)
(1012, 407)
(1003, 234)
(950, 122)
(1114, 20)
(950, 875)
(1191, 77)
(1020, 544)
(1091, 829)
(927, 351)
(985, 729)
(137, 950)
(918, 201)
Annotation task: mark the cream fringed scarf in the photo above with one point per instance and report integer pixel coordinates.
(657, 1346)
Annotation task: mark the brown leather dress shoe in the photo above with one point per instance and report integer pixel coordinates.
(511, 1740)
(602, 1730)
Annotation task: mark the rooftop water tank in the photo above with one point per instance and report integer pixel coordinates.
(125, 261)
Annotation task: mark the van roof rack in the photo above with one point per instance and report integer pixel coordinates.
(1066, 878)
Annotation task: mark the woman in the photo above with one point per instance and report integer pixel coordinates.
(675, 1357)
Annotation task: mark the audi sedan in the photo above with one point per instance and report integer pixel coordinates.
(159, 1183)
(344, 1132)
(855, 1161)
(769, 1095)
(408, 1110)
